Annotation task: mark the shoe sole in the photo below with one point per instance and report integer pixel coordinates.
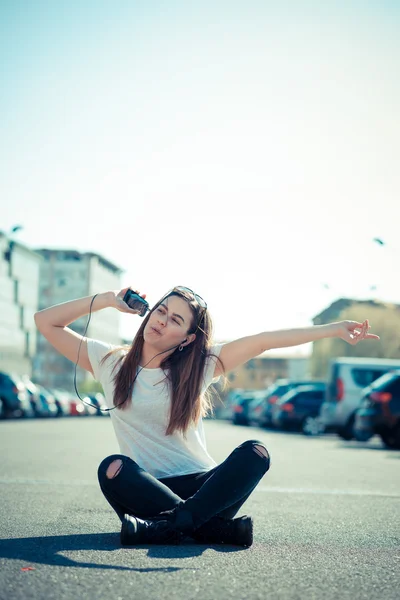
(245, 531)
(129, 534)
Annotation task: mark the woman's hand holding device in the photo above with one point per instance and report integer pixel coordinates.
(129, 301)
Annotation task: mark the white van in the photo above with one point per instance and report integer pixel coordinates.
(346, 380)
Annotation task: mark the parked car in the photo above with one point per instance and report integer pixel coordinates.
(14, 398)
(84, 407)
(240, 407)
(347, 379)
(78, 408)
(379, 412)
(299, 408)
(222, 407)
(263, 417)
(42, 404)
(90, 410)
(63, 402)
(100, 404)
(48, 401)
(32, 393)
(255, 408)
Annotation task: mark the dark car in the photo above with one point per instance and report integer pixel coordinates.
(41, 400)
(278, 389)
(99, 402)
(63, 402)
(48, 402)
(255, 409)
(299, 408)
(223, 407)
(33, 395)
(241, 406)
(14, 399)
(379, 412)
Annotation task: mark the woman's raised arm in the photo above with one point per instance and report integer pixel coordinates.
(52, 323)
(238, 352)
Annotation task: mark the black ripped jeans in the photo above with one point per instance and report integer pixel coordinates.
(218, 492)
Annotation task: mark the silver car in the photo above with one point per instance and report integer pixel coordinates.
(347, 379)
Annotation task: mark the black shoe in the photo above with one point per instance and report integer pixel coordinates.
(237, 532)
(135, 531)
(179, 518)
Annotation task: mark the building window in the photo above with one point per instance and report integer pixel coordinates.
(27, 344)
(71, 257)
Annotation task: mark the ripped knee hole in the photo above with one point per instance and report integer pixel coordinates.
(114, 468)
(261, 451)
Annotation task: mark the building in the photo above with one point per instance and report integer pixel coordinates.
(19, 284)
(385, 319)
(258, 373)
(334, 311)
(66, 275)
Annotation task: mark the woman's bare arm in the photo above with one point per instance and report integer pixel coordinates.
(238, 352)
(52, 323)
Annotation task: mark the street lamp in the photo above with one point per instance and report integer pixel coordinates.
(8, 252)
(388, 247)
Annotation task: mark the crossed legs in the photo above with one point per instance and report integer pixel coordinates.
(129, 489)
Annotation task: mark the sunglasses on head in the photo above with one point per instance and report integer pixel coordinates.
(200, 301)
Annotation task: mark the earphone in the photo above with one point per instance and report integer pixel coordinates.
(130, 388)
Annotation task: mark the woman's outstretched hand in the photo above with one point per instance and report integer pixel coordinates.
(353, 332)
(117, 302)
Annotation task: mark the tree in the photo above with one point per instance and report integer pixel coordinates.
(91, 388)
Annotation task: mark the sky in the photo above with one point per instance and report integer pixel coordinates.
(248, 150)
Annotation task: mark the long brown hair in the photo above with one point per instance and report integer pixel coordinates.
(183, 370)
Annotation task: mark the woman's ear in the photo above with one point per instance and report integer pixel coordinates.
(189, 339)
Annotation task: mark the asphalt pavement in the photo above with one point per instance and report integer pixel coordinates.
(327, 522)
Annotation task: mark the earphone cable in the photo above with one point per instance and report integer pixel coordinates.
(134, 379)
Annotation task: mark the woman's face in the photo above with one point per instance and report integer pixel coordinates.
(168, 324)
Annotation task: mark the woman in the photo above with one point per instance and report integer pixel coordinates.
(165, 485)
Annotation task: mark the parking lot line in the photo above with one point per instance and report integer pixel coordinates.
(260, 489)
(282, 490)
